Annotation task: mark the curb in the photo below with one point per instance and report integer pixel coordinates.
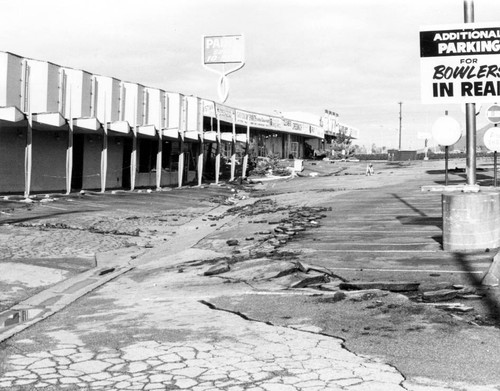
(59, 296)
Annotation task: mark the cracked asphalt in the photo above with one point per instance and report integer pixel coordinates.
(120, 281)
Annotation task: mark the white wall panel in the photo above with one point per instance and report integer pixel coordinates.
(132, 104)
(174, 109)
(194, 115)
(10, 80)
(76, 93)
(42, 86)
(106, 98)
(155, 107)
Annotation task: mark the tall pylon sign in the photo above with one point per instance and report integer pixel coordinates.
(223, 54)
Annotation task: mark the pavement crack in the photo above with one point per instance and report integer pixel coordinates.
(240, 314)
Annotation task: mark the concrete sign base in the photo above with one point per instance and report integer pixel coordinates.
(471, 221)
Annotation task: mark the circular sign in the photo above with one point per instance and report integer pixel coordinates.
(492, 139)
(493, 114)
(446, 131)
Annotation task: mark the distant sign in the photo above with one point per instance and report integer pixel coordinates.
(493, 114)
(492, 139)
(223, 49)
(460, 63)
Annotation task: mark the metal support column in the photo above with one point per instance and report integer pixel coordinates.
(233, 150)
(28, 153)
(133, 158)
(180, 173)
(217, 155)
(200, 163)
(245, 157)
(159, 161)
(104, 157)
(69, 152)
(470, 113)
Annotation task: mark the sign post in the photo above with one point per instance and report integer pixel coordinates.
(220, 50)
(446, 131)
(470, 113)
(492, 142)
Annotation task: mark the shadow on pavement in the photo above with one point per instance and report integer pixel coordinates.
(485, 179)
(415, 209)
(14, 220)
(423, 219)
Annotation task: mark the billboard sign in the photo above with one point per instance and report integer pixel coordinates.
(460, 63)
(223, 49)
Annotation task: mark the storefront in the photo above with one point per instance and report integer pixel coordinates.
(64, 129)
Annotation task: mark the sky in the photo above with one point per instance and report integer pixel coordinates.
(358, 58)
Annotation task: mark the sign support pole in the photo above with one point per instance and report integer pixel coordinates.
(446, 165)
(470, 113)
(495, 168)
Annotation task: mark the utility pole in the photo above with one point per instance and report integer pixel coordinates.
(400, 121)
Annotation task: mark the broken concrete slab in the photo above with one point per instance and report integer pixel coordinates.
(331, 286)
(369, 294)
(471, 297)
(306, 268)
(436, 286)
(440, 295)
(308, 281)
(217, 269)
(457, 307)
(289, 270)
(400, 286)
(260, 269)
(468, 290)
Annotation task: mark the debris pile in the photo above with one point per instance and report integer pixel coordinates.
(95, 228)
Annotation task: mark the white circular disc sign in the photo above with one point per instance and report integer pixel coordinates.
(493, 114)
(446, 131)
(492, 139)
